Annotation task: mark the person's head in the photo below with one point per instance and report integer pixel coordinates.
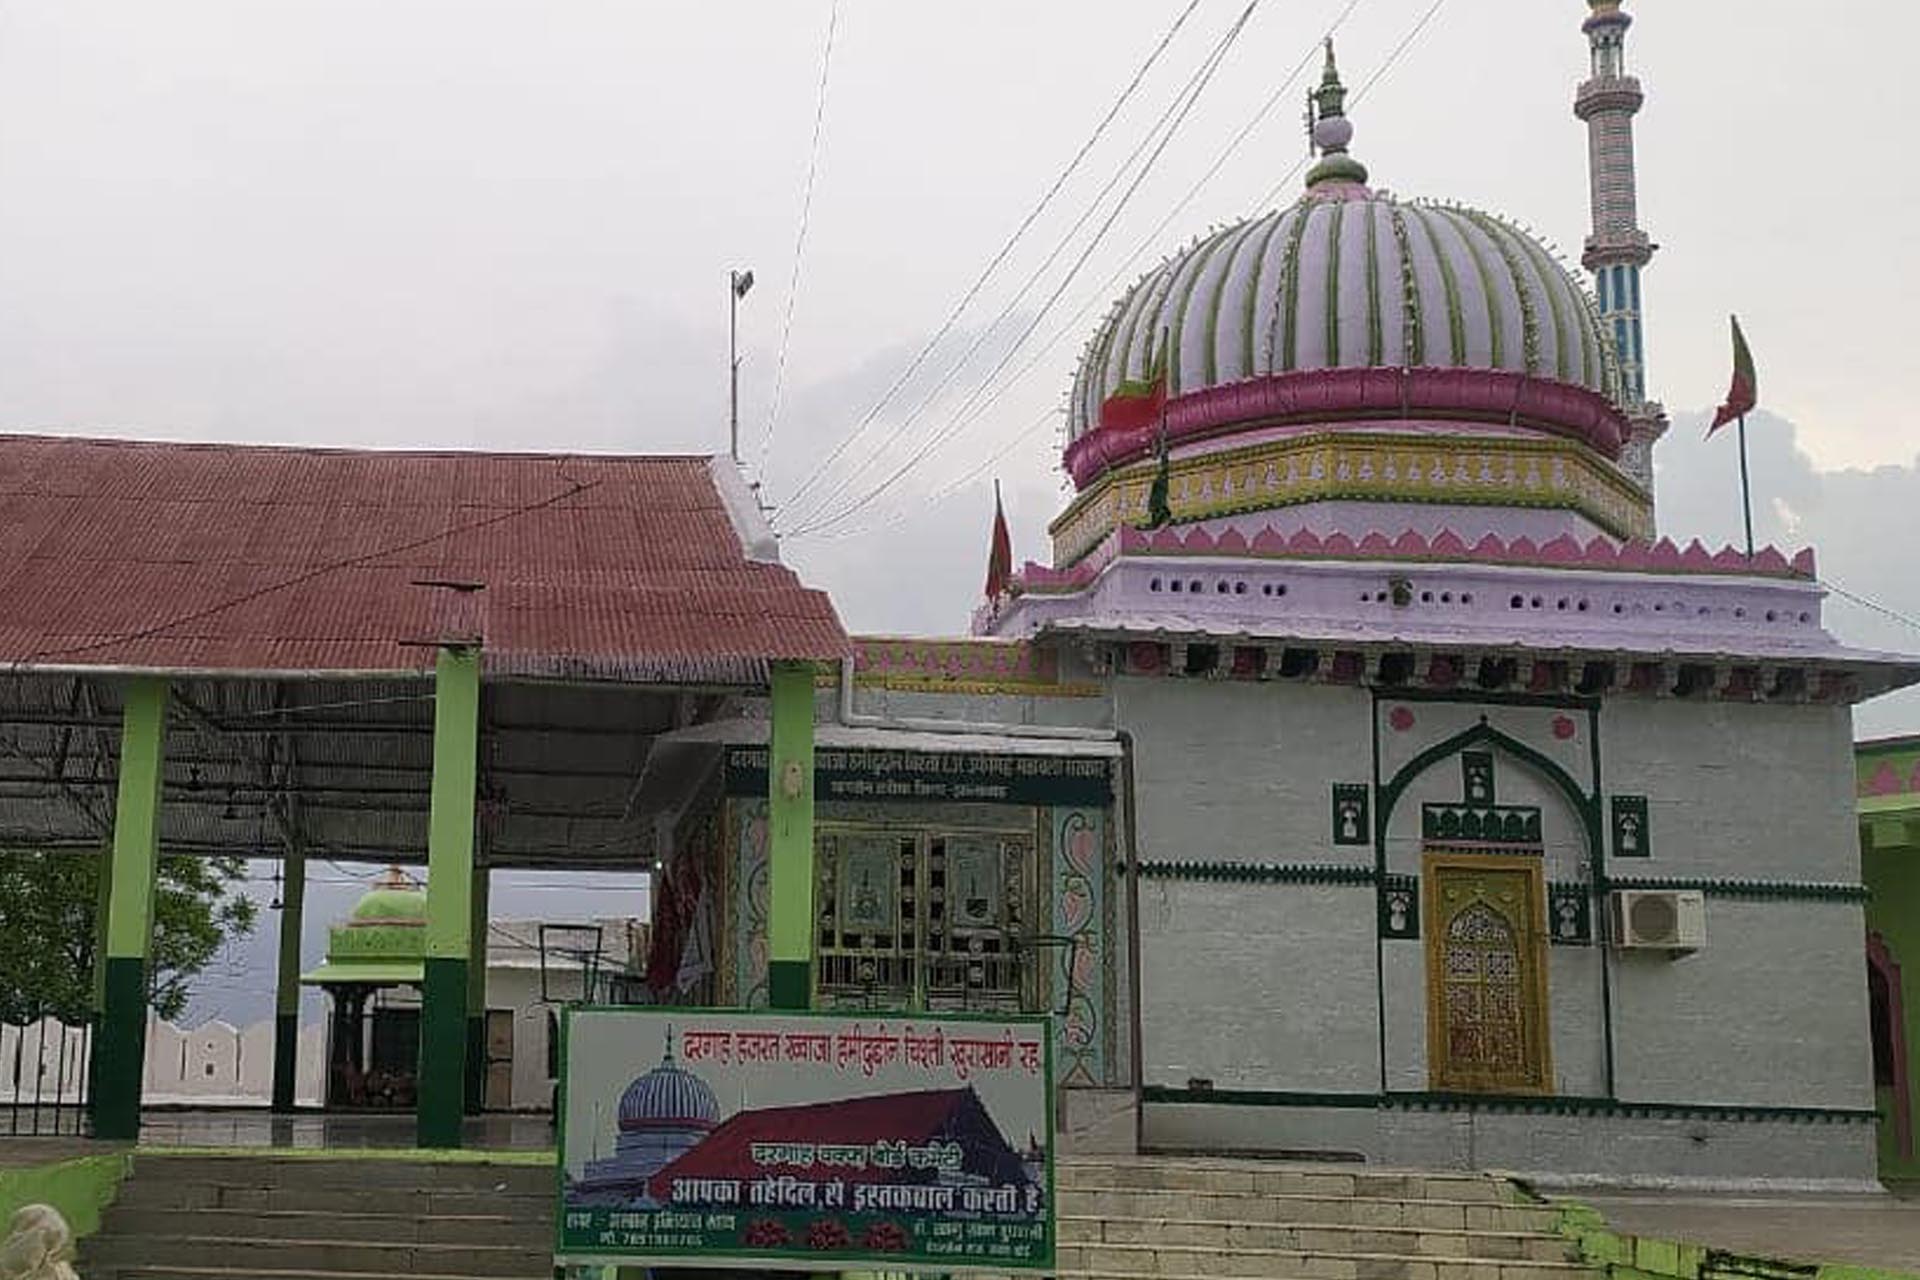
(38, 1243)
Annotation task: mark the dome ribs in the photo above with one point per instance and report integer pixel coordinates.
(1249, 366)
(1413, 336)
(1287, 297)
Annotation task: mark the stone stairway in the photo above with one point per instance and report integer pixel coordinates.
(1192, 1218)
(305, 1218)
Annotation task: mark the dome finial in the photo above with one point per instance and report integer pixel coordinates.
(1332, 131)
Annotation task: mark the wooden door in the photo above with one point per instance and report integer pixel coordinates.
(1486, 974)
(498, 1095)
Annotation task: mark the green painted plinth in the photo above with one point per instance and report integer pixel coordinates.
(286, 1059)
(443, 1052)
(789, 984)
(120, 1050)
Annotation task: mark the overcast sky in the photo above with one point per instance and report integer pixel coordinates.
(509, 225)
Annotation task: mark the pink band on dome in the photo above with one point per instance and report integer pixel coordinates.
(1330, 395)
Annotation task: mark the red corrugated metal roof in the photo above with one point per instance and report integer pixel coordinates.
(247, 557)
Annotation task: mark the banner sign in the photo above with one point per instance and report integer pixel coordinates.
(936, 776)
(795, 1141)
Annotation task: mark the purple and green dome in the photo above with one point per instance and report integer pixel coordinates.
(1350, 278)
(1303, 316)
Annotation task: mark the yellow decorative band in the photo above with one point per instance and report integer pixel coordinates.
(1348, 466)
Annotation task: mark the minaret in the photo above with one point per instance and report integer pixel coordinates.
(1617, 248)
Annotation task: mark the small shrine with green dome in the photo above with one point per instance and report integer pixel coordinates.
(373, 1048)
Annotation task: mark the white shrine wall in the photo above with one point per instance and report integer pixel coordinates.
(1249, 984)
(1773, 1010)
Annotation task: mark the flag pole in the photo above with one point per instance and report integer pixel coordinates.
(1746, 489)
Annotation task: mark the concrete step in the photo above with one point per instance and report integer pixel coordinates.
(1167, 1174)
(1297, 1264)
(1505, 1246)
(1249, 1206)
(150, 1189)
(533, 1230)
(257, 1255)
(300, 1172)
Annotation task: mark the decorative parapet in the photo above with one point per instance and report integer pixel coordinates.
(1564, 552)
(1364, 466)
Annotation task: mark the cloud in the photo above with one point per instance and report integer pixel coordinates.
(1861, 523)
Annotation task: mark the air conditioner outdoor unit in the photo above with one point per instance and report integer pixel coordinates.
(1657, 919)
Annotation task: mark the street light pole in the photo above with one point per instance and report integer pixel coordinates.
(738, 282)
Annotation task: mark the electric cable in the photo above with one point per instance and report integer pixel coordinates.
(1208, 70)
(800, 238)
(821, 468)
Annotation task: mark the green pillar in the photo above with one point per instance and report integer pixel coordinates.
(443, 1015)
(120, 1043)
(286, 999)
(790, 843)
(477, 994)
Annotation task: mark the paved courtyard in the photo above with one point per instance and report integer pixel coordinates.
(1877, 1231)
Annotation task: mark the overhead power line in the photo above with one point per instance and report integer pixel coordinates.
(1185, 106)
(1865, 603)
(1152, 238)
(993, 264)
(967, 416)
(800, 236)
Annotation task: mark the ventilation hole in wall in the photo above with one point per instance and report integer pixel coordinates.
(1174, 585)
(1194, 586)
(1772, 616)
(1239, 588)
(1426, 597)
(1518, 602)
(1740, 612)
(1446, 597)
(1659, 608)
(1266, 588)
(1561, 604)
(1582, 606)
(1380, 597)
(1806, 617)
(1154, 585)
(1537, 602)
(1619, 608)
(1466, 597)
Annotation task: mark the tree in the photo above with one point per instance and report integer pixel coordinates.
(48, 932)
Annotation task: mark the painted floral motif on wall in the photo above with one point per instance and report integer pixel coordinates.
(1079, 977)
(750, 904)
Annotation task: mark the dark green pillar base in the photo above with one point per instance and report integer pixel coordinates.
(476, 1063)
(789, 984)
(442, 1079)
(286, 1059)
(120, 1051)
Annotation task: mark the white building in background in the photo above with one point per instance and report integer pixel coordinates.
(217, 1064)
(529, 978)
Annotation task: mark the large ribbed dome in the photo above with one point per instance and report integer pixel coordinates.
(1345, 278)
